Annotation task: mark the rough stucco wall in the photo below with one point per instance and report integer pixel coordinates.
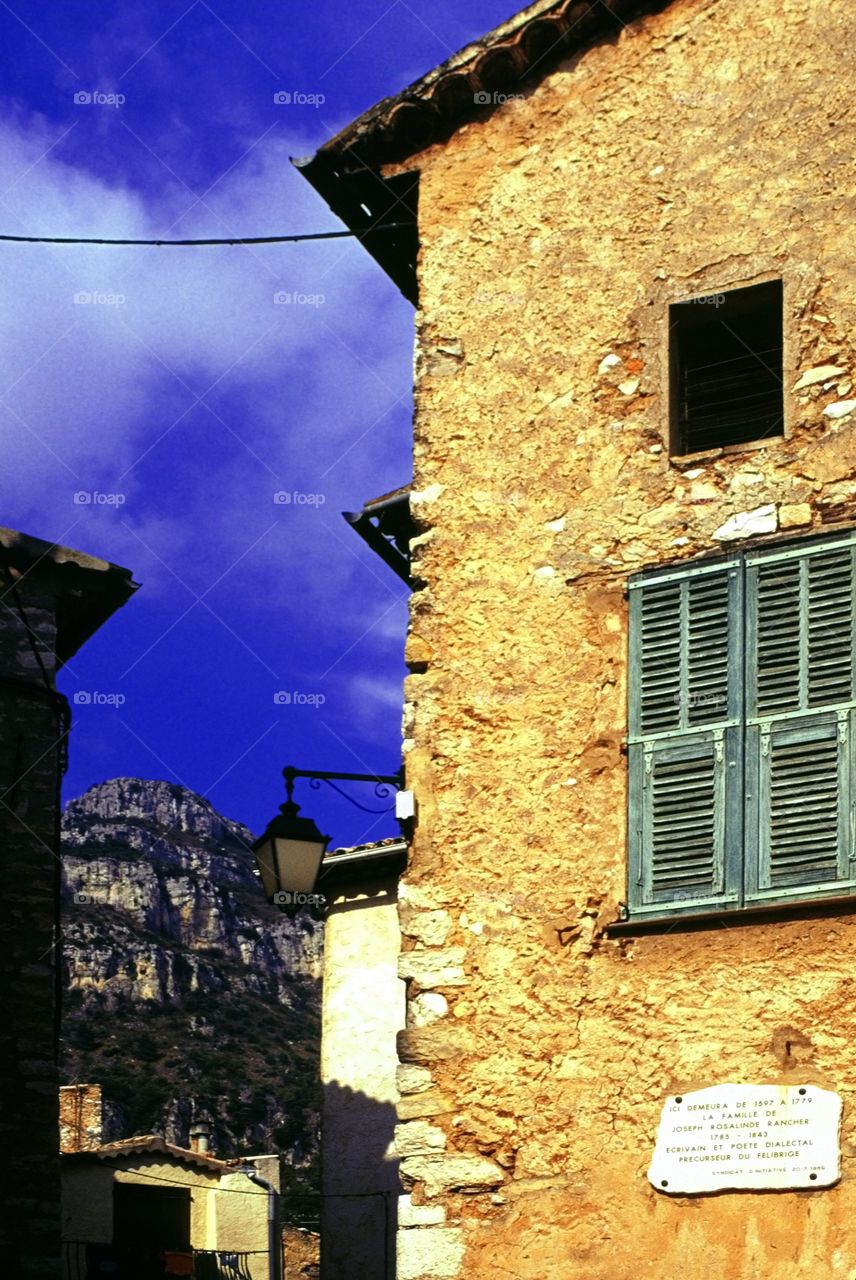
(707, 147)
(219, 1218)
(363, 1009)
(237, 1222)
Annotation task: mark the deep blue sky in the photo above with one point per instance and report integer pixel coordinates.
(180, 386)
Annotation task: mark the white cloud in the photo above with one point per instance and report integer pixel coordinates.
(97, 394)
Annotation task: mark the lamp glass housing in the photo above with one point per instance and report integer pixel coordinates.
(289, 853)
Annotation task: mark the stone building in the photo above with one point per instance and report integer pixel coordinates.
(53, 599)
(630, 718)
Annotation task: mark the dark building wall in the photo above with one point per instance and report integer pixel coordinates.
(32, 725)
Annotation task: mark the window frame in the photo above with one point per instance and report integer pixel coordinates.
(679, 451)
(739, 734)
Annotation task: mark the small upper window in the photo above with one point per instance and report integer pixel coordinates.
(726, 368)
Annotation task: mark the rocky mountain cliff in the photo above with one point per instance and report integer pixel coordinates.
(186, 992)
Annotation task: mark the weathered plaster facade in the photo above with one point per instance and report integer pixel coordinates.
(363, 1009)
(703, 147)
(228, 1212)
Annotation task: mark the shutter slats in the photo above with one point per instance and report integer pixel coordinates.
(661, 658)
(830, 627)
(805, 632)
(707, 648)
(684, 653)
(803, 812)
(778, 669)
(683, 831)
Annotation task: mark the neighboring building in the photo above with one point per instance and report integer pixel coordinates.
(631, 718)
(52, 599)
(363, 1011)
(145, 1208)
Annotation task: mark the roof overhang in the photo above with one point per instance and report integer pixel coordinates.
(386, 525)
(86, 590)
(471, 85)
(362, 864)
(382, 211)
(151, 1146)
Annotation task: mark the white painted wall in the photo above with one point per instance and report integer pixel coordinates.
(363, 1009)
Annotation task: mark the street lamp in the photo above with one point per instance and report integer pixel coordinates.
(290, 852)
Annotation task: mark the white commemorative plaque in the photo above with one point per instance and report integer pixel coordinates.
(747, 1136)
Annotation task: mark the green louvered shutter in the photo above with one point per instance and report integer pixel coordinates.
(685, 747)
(801, 659)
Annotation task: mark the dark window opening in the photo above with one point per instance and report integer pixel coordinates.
(151, 1218)
(726, 368)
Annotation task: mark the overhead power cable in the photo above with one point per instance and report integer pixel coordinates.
(234, 240)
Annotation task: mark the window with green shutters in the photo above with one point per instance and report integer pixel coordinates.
(742, 727)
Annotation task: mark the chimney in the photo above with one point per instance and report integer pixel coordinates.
(80, 1118)
(200, 1137)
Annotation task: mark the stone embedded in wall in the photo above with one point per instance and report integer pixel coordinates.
(840, 409)
(430, 1252)
(704, 491)
(410, 1079)
(417, 1106)
(793, 517)
(426, 1008)
(607, 363)
(434, 968)
(445, 359)
(745, 479)
(743, 1136)
(418, 1138)
(428, 927)
(819, 374)
(747, 524)
(451, 1173)
(439, 1042)
(419, 1215)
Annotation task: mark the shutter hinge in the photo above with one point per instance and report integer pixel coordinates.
(843, 717)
